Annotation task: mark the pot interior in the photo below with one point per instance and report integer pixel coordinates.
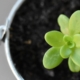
(27, 45)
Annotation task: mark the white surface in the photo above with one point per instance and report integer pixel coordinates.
(5, 7)
(5, 71)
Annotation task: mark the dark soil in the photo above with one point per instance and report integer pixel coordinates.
(27, 45)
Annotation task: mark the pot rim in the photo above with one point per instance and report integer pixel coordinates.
(6, 43)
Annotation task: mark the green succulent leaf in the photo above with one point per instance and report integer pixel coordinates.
(52, 58)
(74, 23)
(67, 38)
(72, 66)
(65, 51)
(69, 41)
(63, 22)
(76, 39)
(54, 38)
(75, 56)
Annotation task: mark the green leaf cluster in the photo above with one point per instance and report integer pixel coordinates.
(64, 44)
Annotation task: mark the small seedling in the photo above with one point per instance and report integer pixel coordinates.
(65, 44)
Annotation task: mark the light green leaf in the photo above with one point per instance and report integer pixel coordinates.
(54, 38)
(75, 56)
(76, 39)
(72, 66)
(63, 22)
(52, 58)
(74, 23)
(67, 38)
(69, 41)
(65, 51)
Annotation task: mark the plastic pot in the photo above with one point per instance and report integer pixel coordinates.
(4, 33)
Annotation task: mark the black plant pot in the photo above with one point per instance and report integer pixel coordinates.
(27, 46)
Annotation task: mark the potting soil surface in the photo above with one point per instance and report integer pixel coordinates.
(27, 45)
